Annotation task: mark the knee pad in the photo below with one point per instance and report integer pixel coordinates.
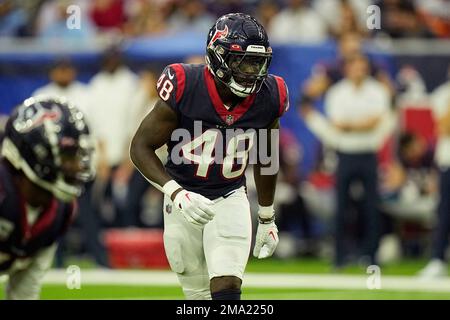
(197, 294)
(195, 287)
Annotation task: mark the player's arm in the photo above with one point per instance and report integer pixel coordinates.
(267, 233)
(155, 131)
(26, 284)
(363, 126)
(266, 183)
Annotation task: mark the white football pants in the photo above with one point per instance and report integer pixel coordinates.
(220, 248)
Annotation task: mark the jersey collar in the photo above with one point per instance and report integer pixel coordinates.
(227, 116)
(42, 223)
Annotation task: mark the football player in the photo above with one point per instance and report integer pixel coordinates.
(46, 159)
(207, 221)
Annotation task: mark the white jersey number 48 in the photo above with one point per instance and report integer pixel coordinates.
(206, 159)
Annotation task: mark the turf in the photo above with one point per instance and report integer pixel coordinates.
(404, 267)
(88, 292)
(303, 266)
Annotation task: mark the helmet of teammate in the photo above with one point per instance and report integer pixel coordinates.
(238, 53)
(49, 141)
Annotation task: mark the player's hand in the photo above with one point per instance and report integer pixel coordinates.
(266, 240)
(196, 208)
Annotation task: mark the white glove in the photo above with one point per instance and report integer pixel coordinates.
(266, 240)
(196, 208)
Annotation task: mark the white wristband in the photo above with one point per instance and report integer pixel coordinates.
(266, 212)
(170, 187)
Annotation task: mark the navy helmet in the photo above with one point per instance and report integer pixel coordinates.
(49, 141)
(238, 53)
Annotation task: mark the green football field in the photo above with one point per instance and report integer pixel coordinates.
(173, 293)
(260, 273)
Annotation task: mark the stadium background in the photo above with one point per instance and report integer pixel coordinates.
(27, 53)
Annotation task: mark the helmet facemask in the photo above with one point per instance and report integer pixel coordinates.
(76, 166)
(243, 72)
(248, 71)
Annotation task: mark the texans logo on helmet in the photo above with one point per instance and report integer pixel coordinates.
(28, 119)
(218, 35)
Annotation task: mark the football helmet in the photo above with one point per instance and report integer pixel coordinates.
(238, 53)
(49, 141)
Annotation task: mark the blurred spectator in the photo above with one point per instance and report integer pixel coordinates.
(266, 11)
(111, 93)
(412, 176)
(196, 59)
(53, 22)
(297, 23)
(191, 16)
(147, 17)
(414, 151)
(12, 18)
(220, 7)
(411, 89)
(143, 102)
(326, 74)
(436, 15)
(108, 15)
(399, 19)
(48, 12)
(343, 16)
(63, 83)
(441, 107)
(294, 220)
(355, 107)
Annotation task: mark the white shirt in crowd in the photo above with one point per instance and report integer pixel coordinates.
(301, 25)
(76, 92)
(349, 104)
(440, 100)
(111, 96)
(330, 11)
(142, 105)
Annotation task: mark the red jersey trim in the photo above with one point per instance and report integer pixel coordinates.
(181, 80)
(282, 93)
(42, 223)
(228, 116)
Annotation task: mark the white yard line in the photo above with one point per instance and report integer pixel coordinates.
(255, 280)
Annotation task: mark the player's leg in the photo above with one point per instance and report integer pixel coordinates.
(440, 240)
(344, 174)
(227, 241)
(370, 213)
(183, 244)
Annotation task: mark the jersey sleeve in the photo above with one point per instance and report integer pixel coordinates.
(171, 84)
(283, 96)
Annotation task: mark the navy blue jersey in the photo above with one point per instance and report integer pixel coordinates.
(212, 161)
(17, 239)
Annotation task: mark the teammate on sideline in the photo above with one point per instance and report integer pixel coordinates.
(46, 160)
(207, 218)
